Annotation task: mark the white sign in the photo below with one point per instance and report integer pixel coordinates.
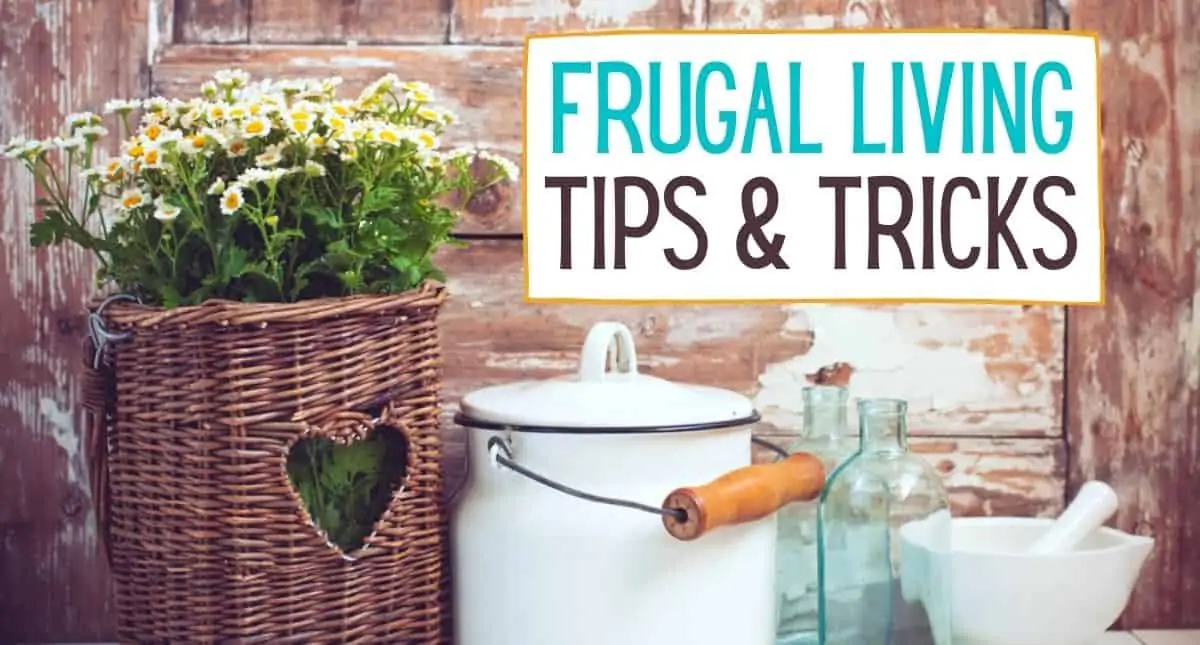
(957, 166)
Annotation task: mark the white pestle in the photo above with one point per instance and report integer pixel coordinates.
(1093, 505)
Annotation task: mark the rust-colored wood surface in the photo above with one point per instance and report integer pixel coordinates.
(350, 21)
(1133, 395)
(986, 385)
(54, 56)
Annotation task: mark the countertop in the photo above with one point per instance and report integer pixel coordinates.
(1150, 637)
(1139, 637)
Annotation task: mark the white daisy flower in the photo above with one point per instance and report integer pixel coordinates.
(300, 126)
(169, 137)
(238, 111)
(114, 170)
(195, 144)
(216, 112)
(258, 126)
(389, 134)
(232, 200)
(270, 156)
(81, 119)
(231, 78)
(69, 143)
(236, 147)
(314, 169)
(152, 156)
(91, 132)
(156, 104)
(165, 212)
(121, 106)
(132, 199)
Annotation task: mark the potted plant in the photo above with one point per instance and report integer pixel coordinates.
(266, 379)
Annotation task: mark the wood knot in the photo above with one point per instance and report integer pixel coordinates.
(485, 203)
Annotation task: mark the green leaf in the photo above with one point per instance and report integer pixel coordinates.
(43, 233)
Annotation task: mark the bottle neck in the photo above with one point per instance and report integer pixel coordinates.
(825, 422)
(882, 426)
(824, 411)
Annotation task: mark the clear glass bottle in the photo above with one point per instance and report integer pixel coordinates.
(883, 540)
(825, 434)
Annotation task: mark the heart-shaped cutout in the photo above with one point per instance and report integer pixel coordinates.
(346, 486)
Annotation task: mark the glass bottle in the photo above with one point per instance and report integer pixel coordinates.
(826, 435)
(883, 540)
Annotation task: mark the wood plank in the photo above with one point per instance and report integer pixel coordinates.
(350, 21)
(1134, 364)
(508, 21)
(55, 58)
(992, 476)
(967, 370)
(837, 14)
(212, 21)
(481, 84)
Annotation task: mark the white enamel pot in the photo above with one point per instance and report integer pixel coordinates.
(572, 527)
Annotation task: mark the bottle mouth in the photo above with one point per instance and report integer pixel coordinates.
(882, 407)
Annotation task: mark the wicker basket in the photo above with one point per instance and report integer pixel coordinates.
(190, 423)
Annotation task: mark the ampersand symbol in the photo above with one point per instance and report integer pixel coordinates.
(752, 228)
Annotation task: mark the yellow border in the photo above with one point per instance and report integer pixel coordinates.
(1095, 36)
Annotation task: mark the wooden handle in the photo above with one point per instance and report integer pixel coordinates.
(744, 495)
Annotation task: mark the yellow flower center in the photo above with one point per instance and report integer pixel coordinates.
(199, 141)
(237, 113)
(318, 141)
(341, 110)
(426, 139)
(217, 112)
(151, 157)
(232, 201)
(153, 131)
(301, 125)
(255, 127)
(136, 150)
(237, 147)
(131, 201)
(337, 123)
(388, 136)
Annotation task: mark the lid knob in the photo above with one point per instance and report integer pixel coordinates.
(607, 348)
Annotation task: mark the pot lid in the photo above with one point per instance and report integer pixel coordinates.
(607, 393)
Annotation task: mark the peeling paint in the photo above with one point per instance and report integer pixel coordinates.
(557, 363)
(351, 62)
(616, 13)
(905, 353)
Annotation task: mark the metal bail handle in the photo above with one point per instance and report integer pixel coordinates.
(501, 453)
(743, 495)
(608, 348)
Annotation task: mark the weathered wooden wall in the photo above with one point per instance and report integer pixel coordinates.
(986, 384)
(1133, 381)
(54, 56)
